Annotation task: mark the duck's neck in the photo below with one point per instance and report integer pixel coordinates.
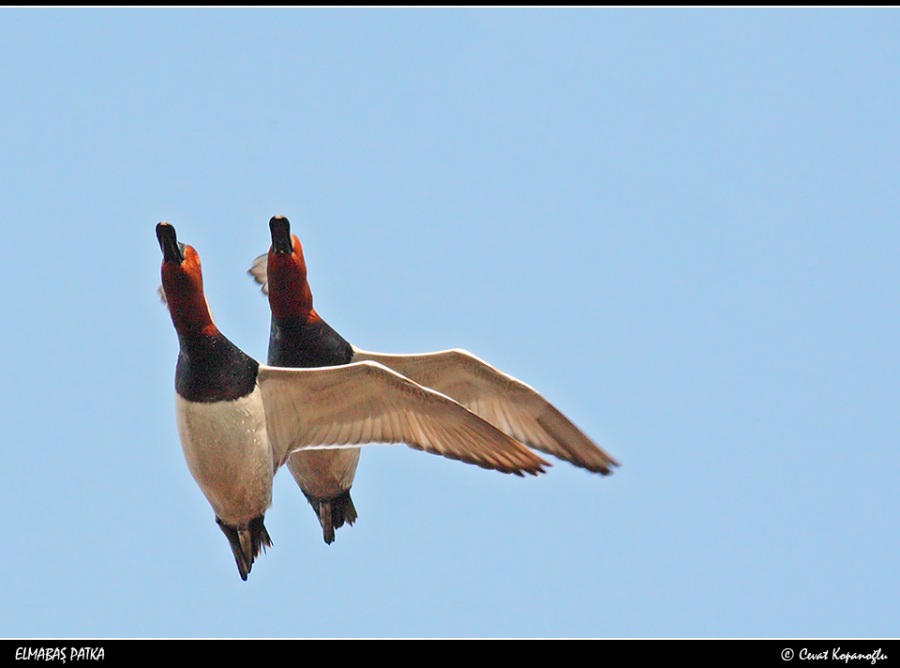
(300, 342)
(212, 368)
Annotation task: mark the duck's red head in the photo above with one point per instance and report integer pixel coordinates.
(182, 282)
(289, 293)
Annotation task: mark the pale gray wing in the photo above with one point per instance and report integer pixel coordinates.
(258, 271)
(357, 404)
(505, 402)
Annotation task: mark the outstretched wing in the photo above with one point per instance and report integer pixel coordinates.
(505, 402)
(357, 404)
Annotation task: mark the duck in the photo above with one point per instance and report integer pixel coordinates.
(238, 420)
(509, 404)
(218, 407)
(299, 338)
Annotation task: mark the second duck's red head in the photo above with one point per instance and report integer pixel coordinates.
(289, 293)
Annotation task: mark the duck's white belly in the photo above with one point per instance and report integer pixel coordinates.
(227, 451)
(324, 473)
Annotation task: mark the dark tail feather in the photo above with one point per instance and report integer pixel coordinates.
(333, 513)
(245, 542)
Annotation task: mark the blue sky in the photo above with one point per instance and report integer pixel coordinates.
(681, 226)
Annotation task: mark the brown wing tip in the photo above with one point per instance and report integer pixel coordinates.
(531, 464)
(539, 467)
(604, 467)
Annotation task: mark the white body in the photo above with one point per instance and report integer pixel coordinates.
(228, 452)
(324, 473)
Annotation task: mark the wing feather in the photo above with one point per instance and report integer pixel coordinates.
(258, 270)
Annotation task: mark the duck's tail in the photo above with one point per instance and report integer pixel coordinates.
(246, 542)
(333, 513)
